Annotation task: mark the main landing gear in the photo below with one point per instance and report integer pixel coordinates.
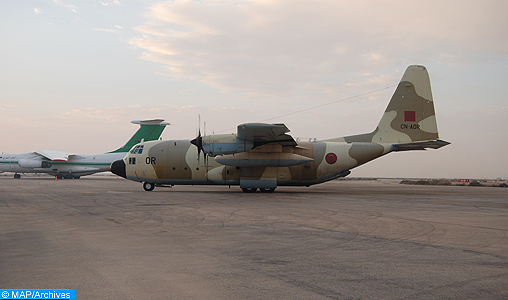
(253, 190)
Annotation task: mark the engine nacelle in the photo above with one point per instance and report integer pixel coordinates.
(33, 163)
(223, 144)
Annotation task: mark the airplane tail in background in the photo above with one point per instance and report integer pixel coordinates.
(409, 119)
(150, 130)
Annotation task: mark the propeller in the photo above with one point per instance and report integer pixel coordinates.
(198, 141)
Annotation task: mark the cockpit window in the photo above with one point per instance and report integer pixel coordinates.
(138, 149)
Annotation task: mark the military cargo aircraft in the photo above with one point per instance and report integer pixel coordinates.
(263, 156)
(72, 166)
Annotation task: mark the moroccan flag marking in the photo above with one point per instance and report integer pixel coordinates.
(409, 116)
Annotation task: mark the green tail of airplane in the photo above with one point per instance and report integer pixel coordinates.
(150, 130)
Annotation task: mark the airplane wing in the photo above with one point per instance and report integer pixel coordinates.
(261, 134)
(55, 155)
(252, 135)
(436, 144)
(249, 136)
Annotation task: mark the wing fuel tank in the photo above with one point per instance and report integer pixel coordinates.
(247, 159)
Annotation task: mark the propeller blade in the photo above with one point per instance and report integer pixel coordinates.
(198, 142)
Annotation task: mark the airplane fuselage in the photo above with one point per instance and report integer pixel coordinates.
(74, 167)
(176, 162)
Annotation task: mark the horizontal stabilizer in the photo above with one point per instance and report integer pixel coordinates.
(436, 144)
(159, 122)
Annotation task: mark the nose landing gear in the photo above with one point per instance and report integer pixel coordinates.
(147, 186)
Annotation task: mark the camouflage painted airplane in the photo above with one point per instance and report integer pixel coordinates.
(263, 156)
(72, 166)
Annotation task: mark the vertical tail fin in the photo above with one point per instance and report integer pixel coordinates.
(410, 115)
(149, 130)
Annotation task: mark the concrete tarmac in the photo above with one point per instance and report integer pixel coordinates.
(108, 239)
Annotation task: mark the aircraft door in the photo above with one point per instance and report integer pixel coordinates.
(306, 171)
(160, 171)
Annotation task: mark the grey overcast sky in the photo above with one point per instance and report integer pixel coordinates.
(75, 73)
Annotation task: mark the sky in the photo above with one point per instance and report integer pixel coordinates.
(75, 73)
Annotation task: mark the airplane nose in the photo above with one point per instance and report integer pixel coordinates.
(118, 168)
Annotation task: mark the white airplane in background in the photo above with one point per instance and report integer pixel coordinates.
(72, 166)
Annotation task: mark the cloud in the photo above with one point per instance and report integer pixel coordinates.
(70, 7)
(277, 48)
(114, 2)
(105, 30)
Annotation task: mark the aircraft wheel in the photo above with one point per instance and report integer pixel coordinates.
(147, 186)
(267, 190)
(17, 175)
(249, 190)
(77, 177)
(59, 176)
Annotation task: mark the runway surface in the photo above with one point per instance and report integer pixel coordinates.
(108, 239)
